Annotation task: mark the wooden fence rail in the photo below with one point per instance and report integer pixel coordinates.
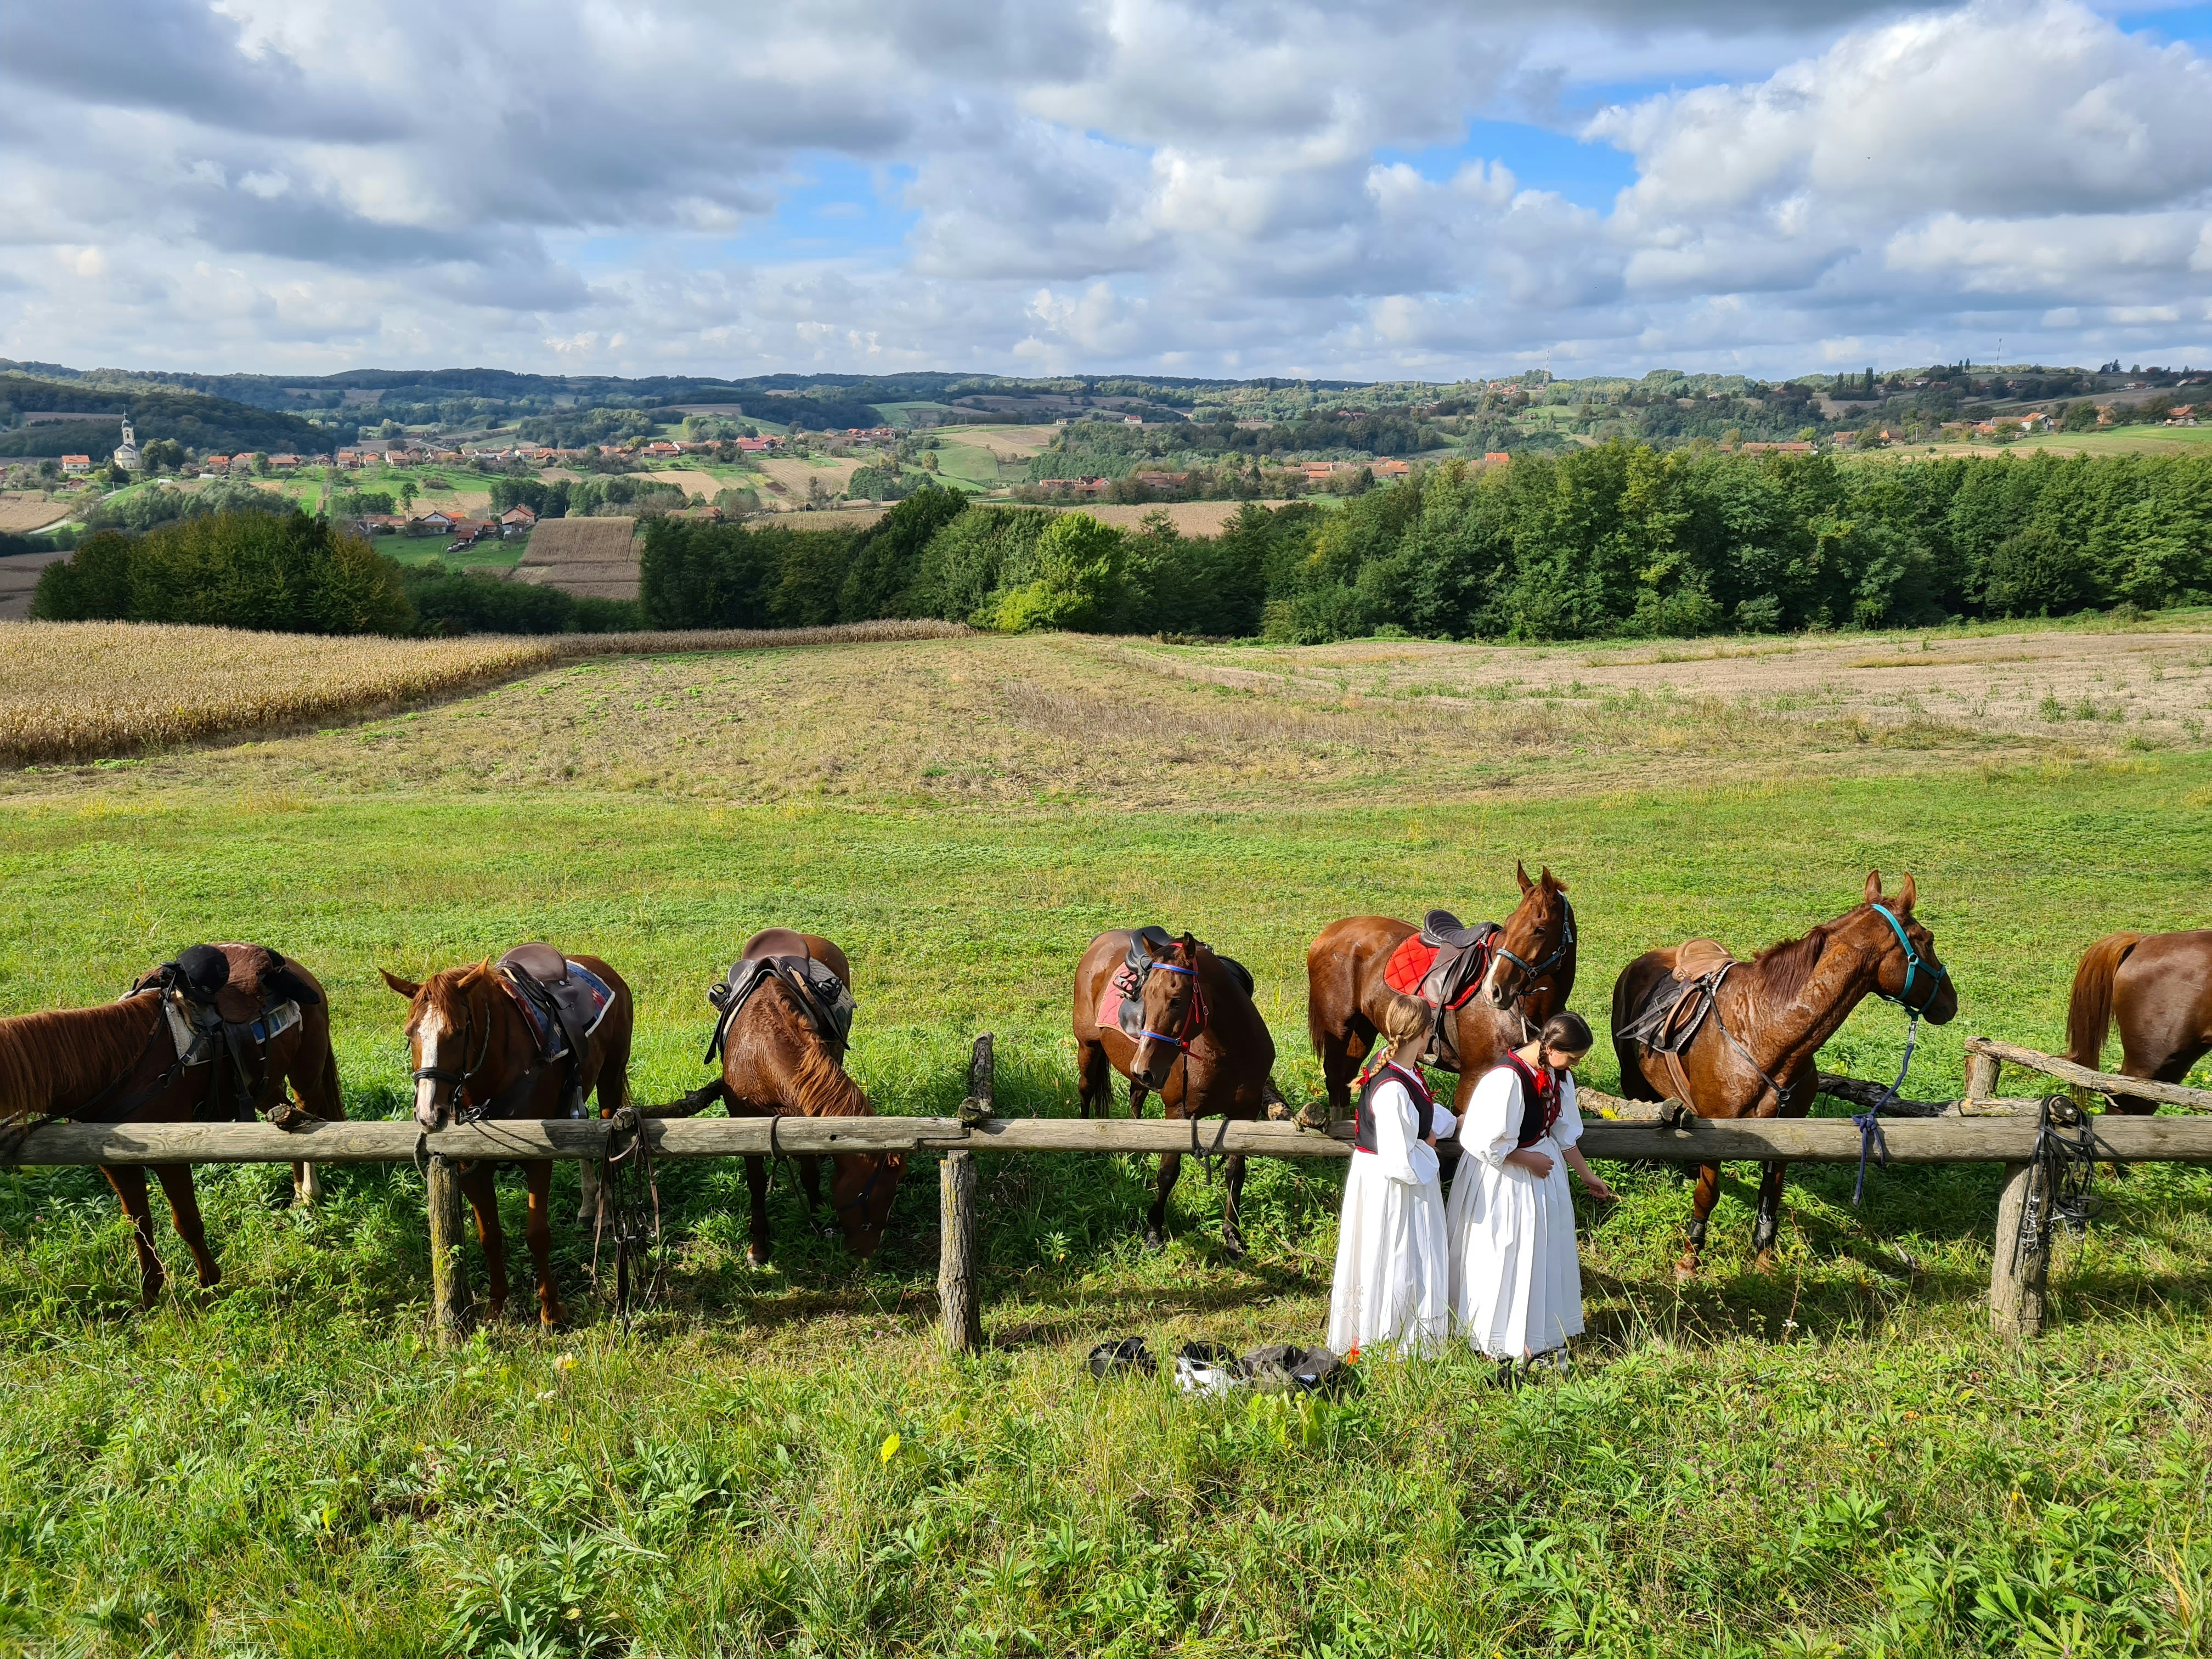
(1982, 1128)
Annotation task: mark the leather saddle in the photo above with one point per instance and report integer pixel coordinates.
(1676, 1006)
(824, 1000)
(565, 1001)
(229, 1002)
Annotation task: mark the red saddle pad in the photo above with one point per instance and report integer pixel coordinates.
(1409, 965)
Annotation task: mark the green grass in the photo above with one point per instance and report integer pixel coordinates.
(1834, 1459)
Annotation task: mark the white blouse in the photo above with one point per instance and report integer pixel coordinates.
(1490, 1128)
(1400, 1152)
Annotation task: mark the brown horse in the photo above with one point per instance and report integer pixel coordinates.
(1531, 974)
(1202, 1048)
(2160, 987)
(476, 1056)
(1752, 1056)
(119, 1063)
(775, 1064)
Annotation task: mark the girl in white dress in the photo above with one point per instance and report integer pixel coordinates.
(1516, 1283)
(1393, 1271)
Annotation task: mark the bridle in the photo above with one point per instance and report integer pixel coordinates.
(1194, 1022)
(1537, 971)
(462, 1112)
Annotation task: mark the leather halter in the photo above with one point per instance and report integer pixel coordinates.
(1937, 973)
(1537, 971)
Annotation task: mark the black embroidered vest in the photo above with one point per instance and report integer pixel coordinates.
(1540, 1100)
(1363, 1136)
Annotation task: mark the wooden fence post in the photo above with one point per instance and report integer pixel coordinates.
(956, 1197)
(452, 1307)
(2018, 1276)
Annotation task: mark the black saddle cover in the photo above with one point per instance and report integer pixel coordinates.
(825, 1000)
(569, 1002)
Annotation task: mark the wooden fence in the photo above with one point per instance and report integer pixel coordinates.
(1983, 1128)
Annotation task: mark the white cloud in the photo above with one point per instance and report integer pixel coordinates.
(1189, 185)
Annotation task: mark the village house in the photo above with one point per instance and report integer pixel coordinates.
(1392, 469)
(217, 464)
(77, 463)
(663, 450)
(1315, 471)
(516, 520)
(1162, 480)
(1495, 457)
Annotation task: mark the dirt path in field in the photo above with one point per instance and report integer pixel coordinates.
(2099, 688)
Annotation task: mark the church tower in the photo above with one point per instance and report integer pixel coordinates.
(126, 457)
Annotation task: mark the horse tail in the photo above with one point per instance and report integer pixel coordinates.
(2089, 1013)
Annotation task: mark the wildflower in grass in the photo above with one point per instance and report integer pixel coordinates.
(565, 1364)
(890, 1447)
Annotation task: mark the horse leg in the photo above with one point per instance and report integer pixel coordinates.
(1137, 1093)
(539, 1173)
(1170, 1169)
(306, 1185)
(1233, 1236)
(1701, 1206)
(129, 1180)
(757, 1189)
(810, 1182)
(1341, 1054)
(176, 1181)
(1769, 1224)
(1091, 1087)
(483, 1199)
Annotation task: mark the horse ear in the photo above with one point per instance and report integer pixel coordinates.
(1189, 946)
(1553, 881)
(407, 988)
(1907, 893)
(1521, 870)
(1874, 887)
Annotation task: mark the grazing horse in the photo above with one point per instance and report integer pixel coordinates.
(777, 1063)
(478, 1055)
(120, 1063)
(1531, 975)
(2160, 987)
(1201, 1045)
(1751, 1053)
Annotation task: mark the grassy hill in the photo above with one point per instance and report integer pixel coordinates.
(1835, 1459)
(194, 419)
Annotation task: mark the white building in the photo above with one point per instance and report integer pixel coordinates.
(126, 456)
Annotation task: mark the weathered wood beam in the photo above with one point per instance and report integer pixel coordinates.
(2108, 1082)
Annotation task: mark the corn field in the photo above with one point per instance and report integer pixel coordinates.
(82, 691)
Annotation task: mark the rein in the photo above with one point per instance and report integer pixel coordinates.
(1872, 1142)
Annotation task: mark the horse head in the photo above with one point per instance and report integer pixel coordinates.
(1173, 1016)
(862, 1188)
(456, 1039)
(1908, 972)
(1537, 940)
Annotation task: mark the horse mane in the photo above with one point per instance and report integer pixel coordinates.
(819, 1086)
(1784, 966)
(67, 1053)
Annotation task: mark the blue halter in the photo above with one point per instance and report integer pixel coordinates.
(1871, 1141)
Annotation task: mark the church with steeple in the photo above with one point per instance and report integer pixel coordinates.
(126, 457)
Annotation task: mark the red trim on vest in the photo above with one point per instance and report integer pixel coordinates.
(1545, 1086)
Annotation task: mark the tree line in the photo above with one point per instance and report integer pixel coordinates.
(1618, 539)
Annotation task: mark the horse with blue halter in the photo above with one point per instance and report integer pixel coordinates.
(1178, 1021)
(1734, 1039)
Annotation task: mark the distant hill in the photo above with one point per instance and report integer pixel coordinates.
(191, 418)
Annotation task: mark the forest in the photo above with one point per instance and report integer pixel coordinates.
(1616, 540)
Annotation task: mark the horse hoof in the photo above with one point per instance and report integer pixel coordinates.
(1763, 1262)
(1686, 1269)
(756, 1255)
(1153, 1242)
(1232, 1246)
(552, 1318)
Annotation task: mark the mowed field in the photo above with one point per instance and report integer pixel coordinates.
(1832, 1459)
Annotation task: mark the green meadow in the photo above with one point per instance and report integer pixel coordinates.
(1832, 1459)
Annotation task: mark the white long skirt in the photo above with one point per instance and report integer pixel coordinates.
(1516, 1283)
(1393, 1270)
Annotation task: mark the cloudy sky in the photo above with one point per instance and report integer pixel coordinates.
(1370, 188)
